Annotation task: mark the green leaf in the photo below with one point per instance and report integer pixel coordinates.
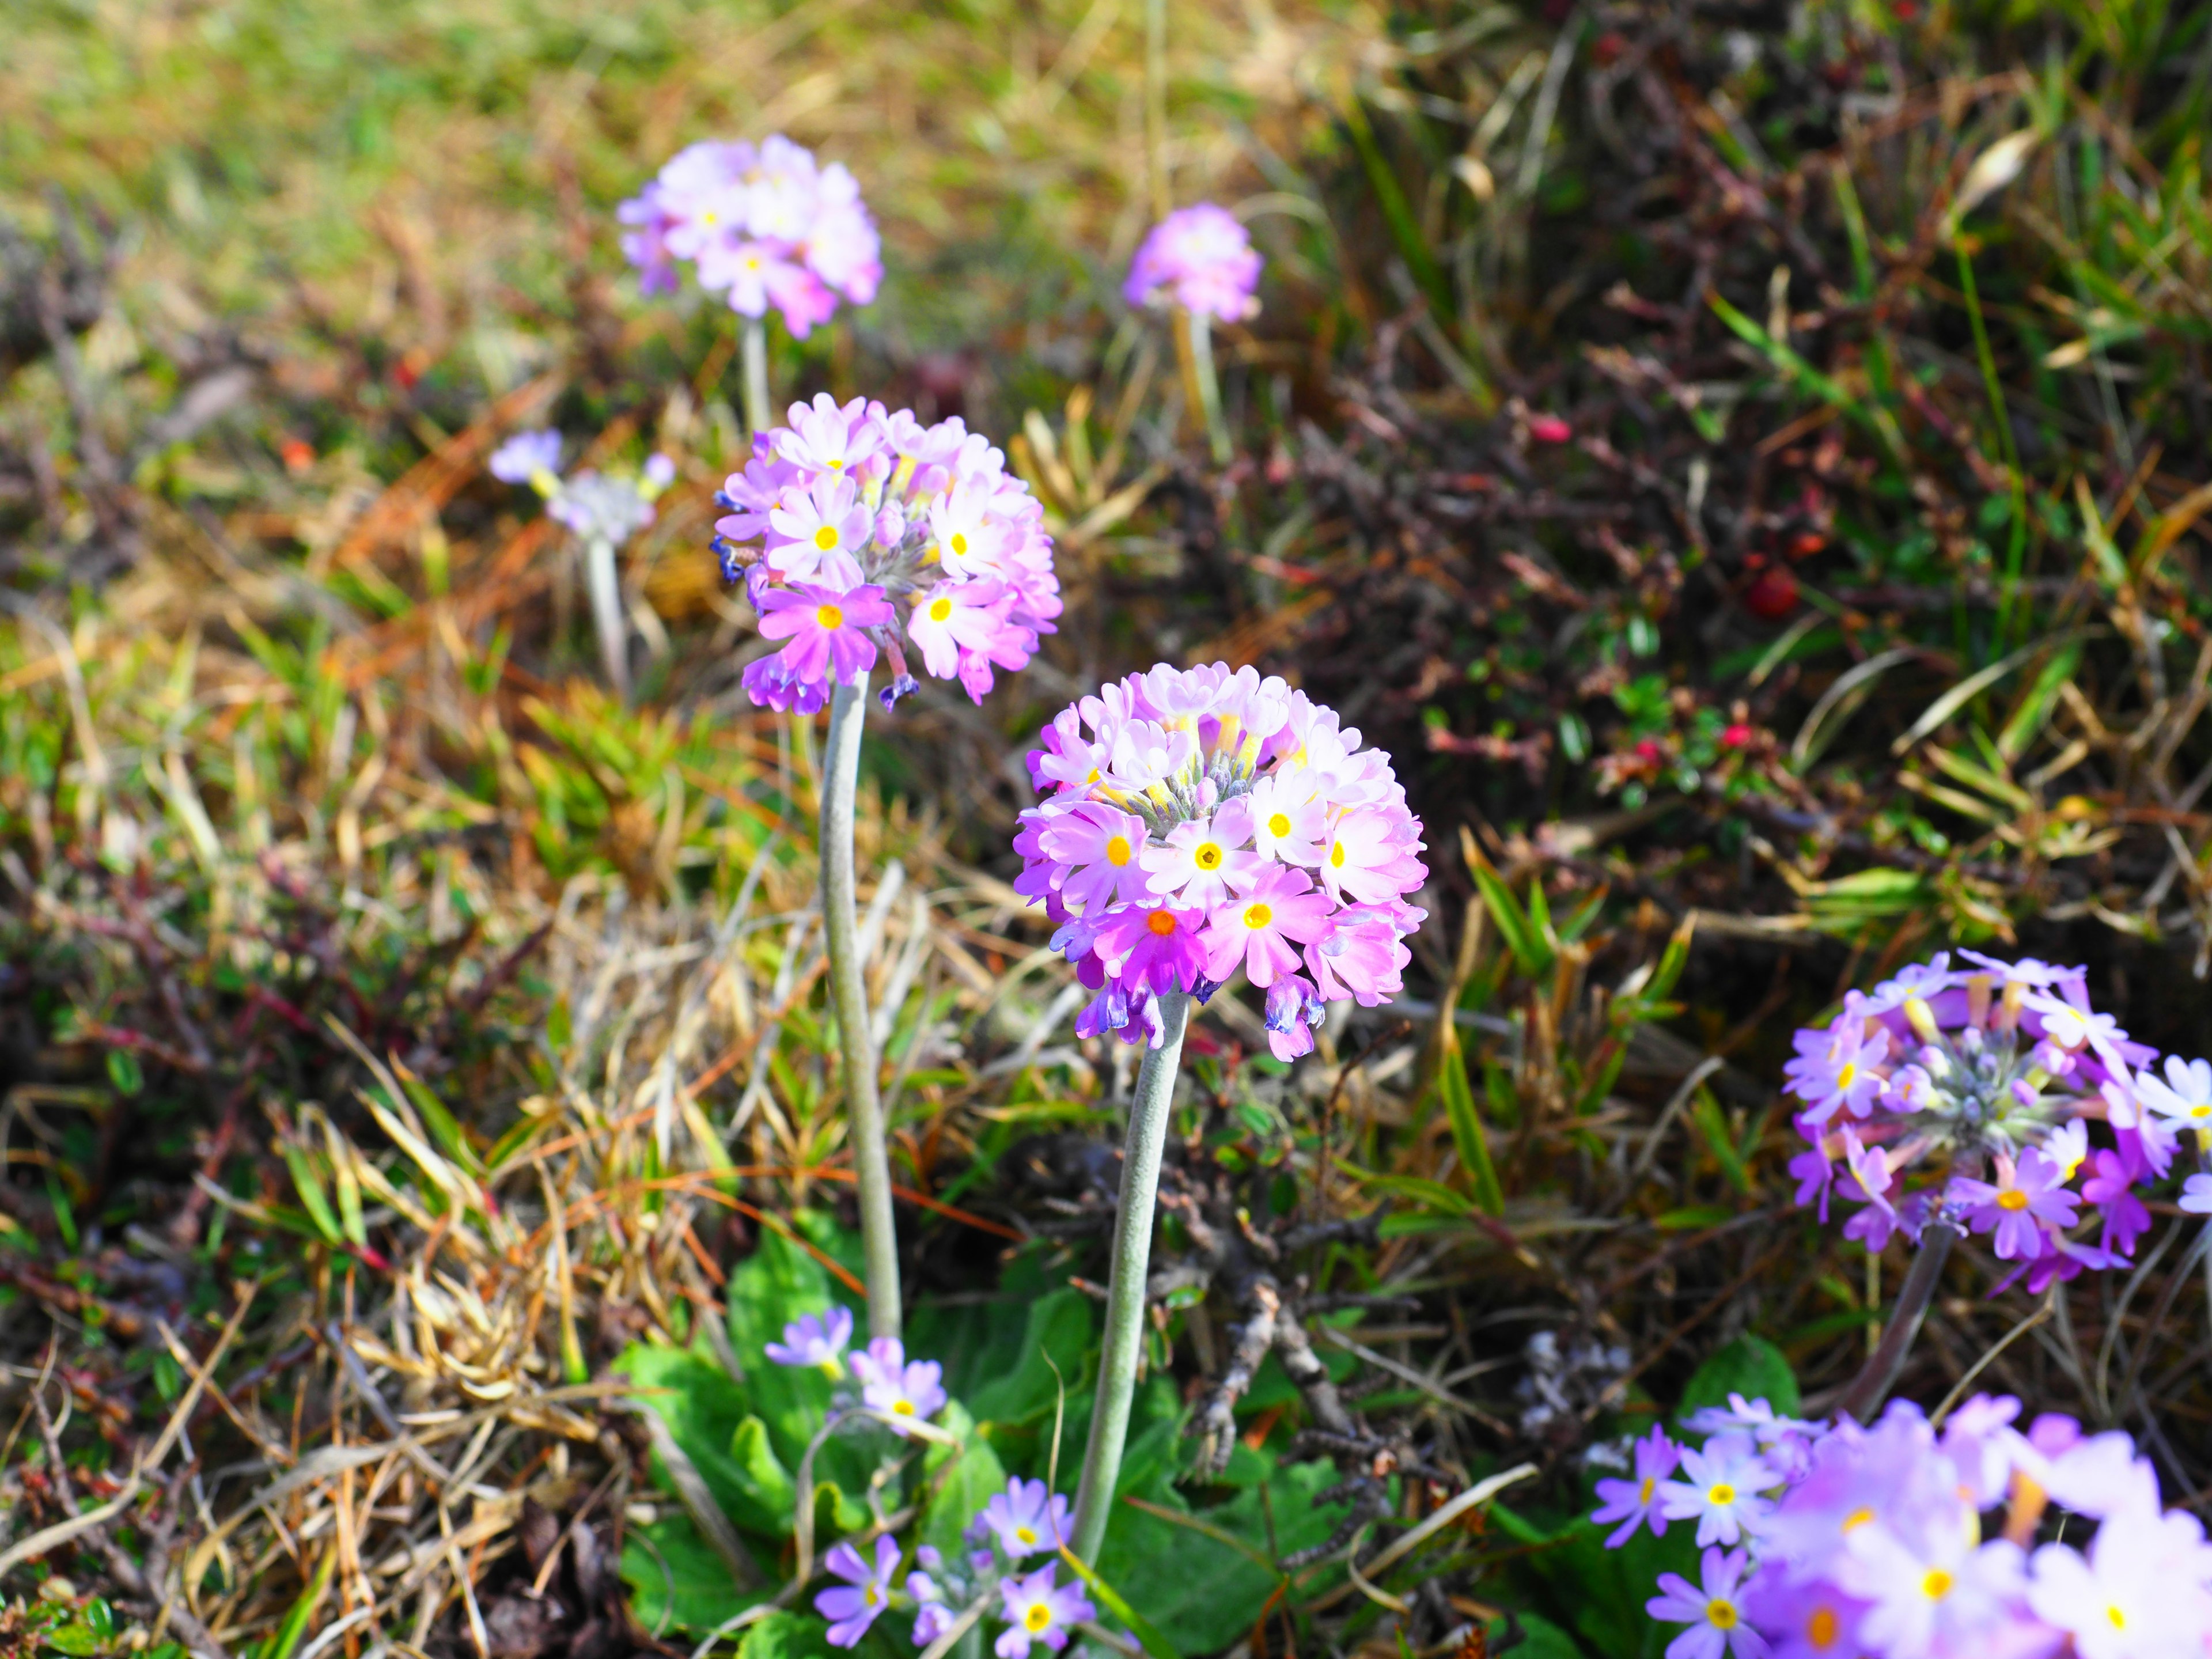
(1539, 1638)
(1751, 1366)
(444, 1129)
(1059, 1325)
(309, 1185)
(1110, 1601)
(1467, 1127)
(784, 1635)
(677, 1581)
(284, 1641)
(77, 1638)
(1428, 1194)
(124, 1071)
(1713, 1125)
(1521, 936)
(961, 1480)
(769, 1492)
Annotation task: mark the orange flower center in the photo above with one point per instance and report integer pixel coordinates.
(2012, 1199)
(1162, 922)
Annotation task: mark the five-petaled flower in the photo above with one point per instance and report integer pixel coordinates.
(1037, 1610)
(853, 1606)
(817, 1340)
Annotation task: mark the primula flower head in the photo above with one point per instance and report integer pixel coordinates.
(847, 506)
(1191, 826)
(1024, 1519)
(766, 226)
(1037, 1610)
(1200, 258)
(1990, 1096)
(1876, 1546)
(599, 507)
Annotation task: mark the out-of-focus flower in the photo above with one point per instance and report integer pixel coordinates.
(525, 455)
(1025, 1518)
(1264, 837)
(947, 548)
(765, 226)
(899, 1391)
(608, 507)
(1198, 257)
(853, 1606)
(1721, 1488)
(814, 1339)
(1877, 1547)
(1038, 1610)
(1636, 1503)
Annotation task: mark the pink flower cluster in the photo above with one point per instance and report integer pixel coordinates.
(1199, 259)
(1197, 822)
(874, 531)
(2040, 1117)
(765, 224)
(1824, 1541)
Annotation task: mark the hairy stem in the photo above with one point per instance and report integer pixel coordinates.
(848, 992)
(1125, 1291)
(757, 417)
(604, 584)
(1864, 1398)
(1209, 386)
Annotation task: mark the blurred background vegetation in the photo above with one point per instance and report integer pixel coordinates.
(1747, 462)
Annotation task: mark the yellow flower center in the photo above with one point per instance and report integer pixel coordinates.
(2012, 1199)
(1650, 1485)
(903, 1408)
(1026, 1535)
(829, 615)
(940, 610)
(1721, 1613)
(2119, 1619)
(1336, 856)
(1279, 824)
(836, 467)
(1162, 922)
(1208, 855)
(1857, 1519)
(2200, 1113)
(958, 543)
(826, 538)
(870, 1594)
(1037, 1616)
(1823, 1627)
(1257, 915)
(1721, 1495)
(1846, 1074)
(1936, 1583)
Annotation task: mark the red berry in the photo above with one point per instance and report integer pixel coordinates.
(1549, 430)
(1773, 595)
(1736, 736)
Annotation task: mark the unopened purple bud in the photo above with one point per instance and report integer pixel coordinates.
(2021, 1092)
(902, 685)
(890, 524)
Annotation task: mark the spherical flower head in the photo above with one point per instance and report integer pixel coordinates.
(1198, 823)
(1991, 1095)
(860, 1601)
(1198, 257)
(526, 456)
(851, 496)
(898, 1392)
(1036, 1609)
(601, 506)
(1713, 1609)
(1025, 1518)
(765, 226)
(816, 1340)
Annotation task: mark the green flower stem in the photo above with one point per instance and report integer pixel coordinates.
(1864, 1398)
(1125, 1291)
(603, 582)
(848, 993)
(1209, 386)
(757, 417)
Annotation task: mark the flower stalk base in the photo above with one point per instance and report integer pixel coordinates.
(1141, 1146)
(1867, 1391)
(848, 993)
(757, 417)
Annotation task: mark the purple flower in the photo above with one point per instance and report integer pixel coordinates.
(601, 506)
(1635, 1503)
(1713, 1610)
(1037, 1611)
(814, 1339)
(2111, 1189)
(896, 1389)
(2196, 1195)
(1840, 1069)
(1722, 1490)
(1200, 258)
(824, 627)
(1025, 1518)
(851, 1611)
(525, 455)
(2027, 1198)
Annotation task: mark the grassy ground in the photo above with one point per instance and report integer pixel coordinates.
(428, 1052)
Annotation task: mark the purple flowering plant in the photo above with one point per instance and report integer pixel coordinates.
(1199, 263)
(1912, 1539)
